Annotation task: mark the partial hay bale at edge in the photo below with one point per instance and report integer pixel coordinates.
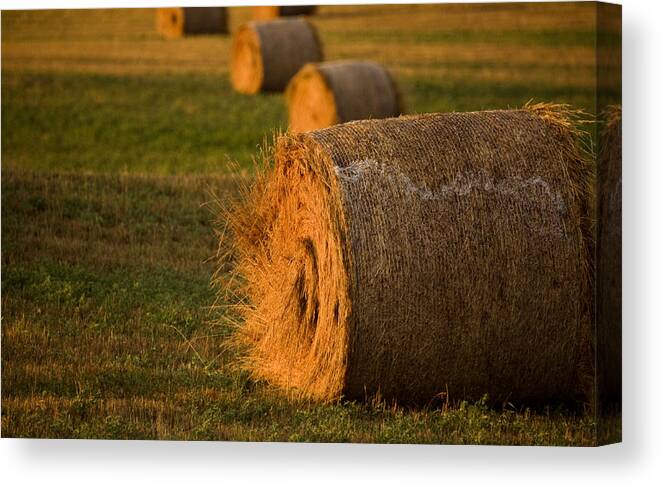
(609, 259)
(265, 55)
(415, 256)
(274, 11)
(325, 94)
(177, 22)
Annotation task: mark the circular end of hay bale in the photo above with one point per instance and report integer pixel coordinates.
(306, 292)
(170, 22)
(247, 68)
(328, 93)
(311, 101)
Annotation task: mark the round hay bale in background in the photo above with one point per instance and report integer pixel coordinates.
(414, 256)
(274, 11)
(177, 22)
(325, 94)
(609, 259)
(265, 55)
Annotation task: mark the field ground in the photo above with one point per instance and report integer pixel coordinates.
(113, 141)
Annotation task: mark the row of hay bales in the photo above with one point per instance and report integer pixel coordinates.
(287, 55)
(273, 54)
(182, 21)
(435, 256)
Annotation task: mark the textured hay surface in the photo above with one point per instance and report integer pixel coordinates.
(415, 256)
(324, 94)
(177, 22)
(273, 11)
(266, 55)
(609, 260)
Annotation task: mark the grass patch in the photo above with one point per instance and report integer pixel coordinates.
(172, 124)
(191, 123)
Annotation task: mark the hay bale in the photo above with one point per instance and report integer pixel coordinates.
(414, 256)
(325, 94)
(177, 22)
(609, 259)
(274, 11)
(265, 55)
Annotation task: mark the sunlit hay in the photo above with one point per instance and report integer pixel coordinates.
(265, 55)
(609, 259)
(325, 94)
(298, 282)
(273, 11)
(414, 256)
(178, 22)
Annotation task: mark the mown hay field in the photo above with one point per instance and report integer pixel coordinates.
(113, 142)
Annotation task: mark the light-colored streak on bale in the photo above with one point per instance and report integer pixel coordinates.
(325, 94)
(177, 22)
(265, 55)
(273, 11)
(412, 256)
(609, 259)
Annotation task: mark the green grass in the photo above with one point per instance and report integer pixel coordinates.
(175, 124)
(188, 123)
(112, 141)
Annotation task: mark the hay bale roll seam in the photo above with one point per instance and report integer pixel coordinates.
(413, 256)
(265, 55)
(325, 94)
(177, 22)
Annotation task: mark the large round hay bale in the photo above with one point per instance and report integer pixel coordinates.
(265, 55)
(416, 256)
(177, 22)
(325, 94)
(609, 259)
(273, 11)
